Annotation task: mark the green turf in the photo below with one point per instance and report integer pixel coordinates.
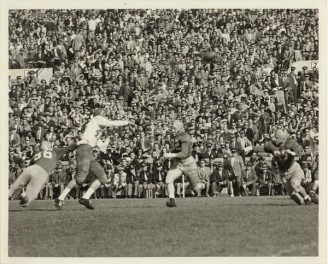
(239, 226)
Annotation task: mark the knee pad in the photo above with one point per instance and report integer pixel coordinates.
(297, 198)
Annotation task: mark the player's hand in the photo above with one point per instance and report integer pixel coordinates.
(132, 124)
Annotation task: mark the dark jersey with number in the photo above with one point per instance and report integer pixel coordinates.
(284, 160)
(182, 146)
(47, 159)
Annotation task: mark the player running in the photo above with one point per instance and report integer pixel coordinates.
(284, 151)
(184, 163)
(36, 175)
(86, 162)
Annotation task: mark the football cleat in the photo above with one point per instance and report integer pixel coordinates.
(171, 203)
(24, 201)
(314, 198)
(86, 203)
(58, 204)
(308, 202)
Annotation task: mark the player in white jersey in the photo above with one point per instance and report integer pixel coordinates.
(86, 162)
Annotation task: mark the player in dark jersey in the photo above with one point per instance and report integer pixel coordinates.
(284, 151)
(36, 175)
(184, 163)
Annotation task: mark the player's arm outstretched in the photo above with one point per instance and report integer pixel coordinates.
(103, 121)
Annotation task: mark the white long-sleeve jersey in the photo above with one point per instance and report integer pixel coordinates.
(92, 130)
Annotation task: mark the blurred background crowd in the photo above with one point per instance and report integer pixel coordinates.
(229, 75)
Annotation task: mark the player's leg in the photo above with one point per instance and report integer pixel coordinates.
(38, 178)
(83, 157)
(178, 189)
(172, 175)
(314, 192)
(296, 175)
(100, 178)
(20, 182)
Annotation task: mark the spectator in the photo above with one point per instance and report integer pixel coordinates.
(249, 180)
(220, 179)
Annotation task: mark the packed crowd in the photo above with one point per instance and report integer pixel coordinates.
(227, 74)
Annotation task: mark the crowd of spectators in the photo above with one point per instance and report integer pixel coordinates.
(227, 74)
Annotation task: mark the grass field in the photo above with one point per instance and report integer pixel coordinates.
(240, 226)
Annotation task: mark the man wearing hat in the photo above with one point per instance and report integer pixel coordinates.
(265, 179)
(14, 138)
(208, 153)
(159, 176)
(306, 83)
(220, 178)
(146, 180)
(119, 182)
(57, 179)
(235, 166)
(285, 150)
(293, 82)
(36, 175)
(86, 161)
(248, 180)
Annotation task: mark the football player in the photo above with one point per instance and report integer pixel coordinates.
(36, 175)
(284, 151)
(184, 163)
(86, 161)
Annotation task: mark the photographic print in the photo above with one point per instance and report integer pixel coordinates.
(164, 132)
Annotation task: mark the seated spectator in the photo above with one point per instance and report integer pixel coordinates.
(119, 182)
(248, 180)
(204, 173)
(220, 178)
(159, 175)
(264, 180)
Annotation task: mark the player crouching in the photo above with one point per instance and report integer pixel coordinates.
(284, 151)
(184, 163)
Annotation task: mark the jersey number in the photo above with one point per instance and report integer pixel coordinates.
(45, 154)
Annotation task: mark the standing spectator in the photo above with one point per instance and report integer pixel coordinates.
(235, 166)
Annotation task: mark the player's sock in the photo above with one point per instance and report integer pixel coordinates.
(93, 187)
(170, 190)
(303, 193)
(306, 197)
(67, 190)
